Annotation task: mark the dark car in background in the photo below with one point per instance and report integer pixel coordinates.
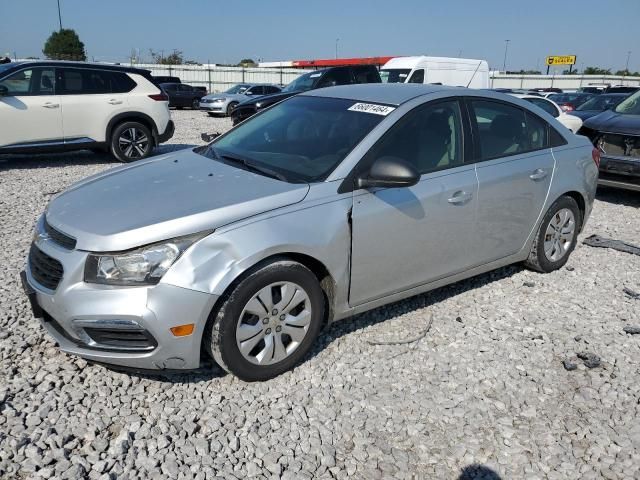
(327, 77)
(597, 104)
(158, 79)
(183, 95)
(616, 133)
(568, 102)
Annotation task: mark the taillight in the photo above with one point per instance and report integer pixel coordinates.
(159, 97)
(595, 154)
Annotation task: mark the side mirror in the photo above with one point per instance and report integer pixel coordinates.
(389, 172)
(4, 91)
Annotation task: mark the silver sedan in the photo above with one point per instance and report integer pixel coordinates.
(223, 103)
(331, 203)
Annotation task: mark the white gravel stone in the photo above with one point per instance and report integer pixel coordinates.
(486, 388)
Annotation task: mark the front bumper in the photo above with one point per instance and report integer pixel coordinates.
(93, 321)
(213, 107)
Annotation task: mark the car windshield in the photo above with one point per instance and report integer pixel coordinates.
(600, 103)
(630, 105)
(303, 82)
(302, 139)
(394, 75)
(237, 89)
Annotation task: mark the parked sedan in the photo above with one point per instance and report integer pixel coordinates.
(597, 104)
(568, 102)
(616, 134)
(224, 103)
(573, 123)
(183, 95)
(242, 269)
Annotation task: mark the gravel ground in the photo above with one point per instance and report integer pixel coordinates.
(484, 394)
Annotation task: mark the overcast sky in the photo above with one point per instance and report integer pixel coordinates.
(599, 32)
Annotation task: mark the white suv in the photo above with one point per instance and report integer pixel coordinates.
(50, 106)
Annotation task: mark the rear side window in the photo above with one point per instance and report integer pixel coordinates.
(537, 130)
(269, 90)
(366, 75)
(80, 81)
(501, 129)
(417, 76)
(30, 82)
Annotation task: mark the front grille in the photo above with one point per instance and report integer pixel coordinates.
(121, 339)
(60, 238)
(47, 271)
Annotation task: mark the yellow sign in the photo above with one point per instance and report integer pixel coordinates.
(561, 60)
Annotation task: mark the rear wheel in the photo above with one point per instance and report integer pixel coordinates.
(131, 141)
(556, 237)
(268, 322)
(230, 108)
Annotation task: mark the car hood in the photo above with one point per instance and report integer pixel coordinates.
(267, 100)
(610, 121)
(584, 114)
(164, 197)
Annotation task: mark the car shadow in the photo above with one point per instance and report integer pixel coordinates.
(208, 371)
(22, 161)
(396, 309)
(478, 472)
(618, 196)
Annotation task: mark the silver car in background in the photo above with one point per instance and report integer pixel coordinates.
(223, 103)
(330, 203)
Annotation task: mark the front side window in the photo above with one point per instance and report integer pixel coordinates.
(255, 90)
(394, 75)
(303, 82)
(429, 137)
(501, 128)
(339, 76)
(417, 76)
(29, 82)
(303, 138)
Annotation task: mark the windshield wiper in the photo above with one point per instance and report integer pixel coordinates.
(234, 158)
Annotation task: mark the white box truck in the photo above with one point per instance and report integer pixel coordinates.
(457, 72)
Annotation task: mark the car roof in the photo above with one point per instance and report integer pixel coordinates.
(387, 93)
(67, 63)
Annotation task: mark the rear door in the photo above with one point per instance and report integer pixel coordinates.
(89, 99)
(514, 167)
(406, 237)
(30, 111)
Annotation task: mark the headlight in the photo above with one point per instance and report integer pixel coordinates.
(142, 266)
(219, 100)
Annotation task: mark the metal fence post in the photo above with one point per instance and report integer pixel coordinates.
(243, 74)
(209, 74)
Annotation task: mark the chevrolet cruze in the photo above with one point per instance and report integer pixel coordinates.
(329, 203)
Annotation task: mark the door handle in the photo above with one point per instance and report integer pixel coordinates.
(460, 197)
(51, 105)
(114, 101)
(538, 174)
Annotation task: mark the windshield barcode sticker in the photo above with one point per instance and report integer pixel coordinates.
(383, 110)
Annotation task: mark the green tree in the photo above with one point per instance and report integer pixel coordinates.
(247, 62)
(624, 73)
(572, 72)
(174, 58)
(64, 45)
(596, 71)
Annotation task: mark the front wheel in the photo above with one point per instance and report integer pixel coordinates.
(131, 141)
(230, 108)
(195, 105)
(556, 237)
(268, 322)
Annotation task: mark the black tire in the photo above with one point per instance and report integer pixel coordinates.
(538, 260)
(220, 333)
(119, 148)
(230, 108)
(195, 105)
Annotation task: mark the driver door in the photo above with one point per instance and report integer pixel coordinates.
(406, 237)
(30, 110)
